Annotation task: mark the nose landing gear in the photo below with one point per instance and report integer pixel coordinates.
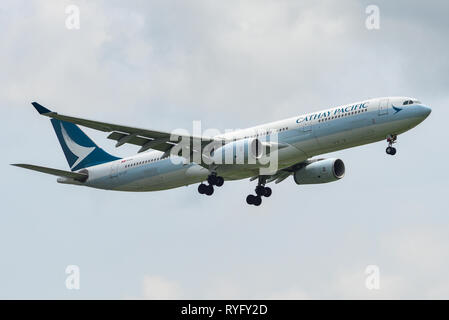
(390, 149)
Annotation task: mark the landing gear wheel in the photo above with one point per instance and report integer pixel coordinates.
(209, 190)
(390, 149)
(215, 180)
(267, 192)
(219, 181)
(202, 188)
(260, 190)
(212, 179)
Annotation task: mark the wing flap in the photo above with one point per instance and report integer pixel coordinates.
(123, 138)
(162, 144)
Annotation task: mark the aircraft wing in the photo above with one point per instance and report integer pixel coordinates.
(277, 177)
(146, 139)
(56, 172)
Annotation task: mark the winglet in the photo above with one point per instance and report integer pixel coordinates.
(40, 109)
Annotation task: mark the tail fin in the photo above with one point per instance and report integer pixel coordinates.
(80, 151)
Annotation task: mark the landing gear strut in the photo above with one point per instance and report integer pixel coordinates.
(213, 180)
(390, 149)
(261, 191)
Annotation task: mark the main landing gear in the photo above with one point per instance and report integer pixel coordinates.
(390, 149)
(213, 180)
(261, 191)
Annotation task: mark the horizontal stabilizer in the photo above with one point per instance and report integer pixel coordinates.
(56, 172)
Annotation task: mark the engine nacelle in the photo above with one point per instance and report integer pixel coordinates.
(320, 171)
(244, 151)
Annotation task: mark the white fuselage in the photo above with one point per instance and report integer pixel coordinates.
(302, 137)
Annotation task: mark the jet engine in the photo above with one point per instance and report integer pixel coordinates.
(320, 171)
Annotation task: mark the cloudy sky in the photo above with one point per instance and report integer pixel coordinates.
(230, 64)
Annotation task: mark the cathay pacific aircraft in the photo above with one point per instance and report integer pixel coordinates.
(267, 153)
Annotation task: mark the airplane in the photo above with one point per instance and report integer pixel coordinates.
(298, 139)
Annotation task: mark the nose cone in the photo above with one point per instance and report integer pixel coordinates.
(425, 111)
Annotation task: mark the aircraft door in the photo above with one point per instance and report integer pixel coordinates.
(114, 169)
(383, 107)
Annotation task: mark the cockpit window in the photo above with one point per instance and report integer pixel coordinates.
(410, 102)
